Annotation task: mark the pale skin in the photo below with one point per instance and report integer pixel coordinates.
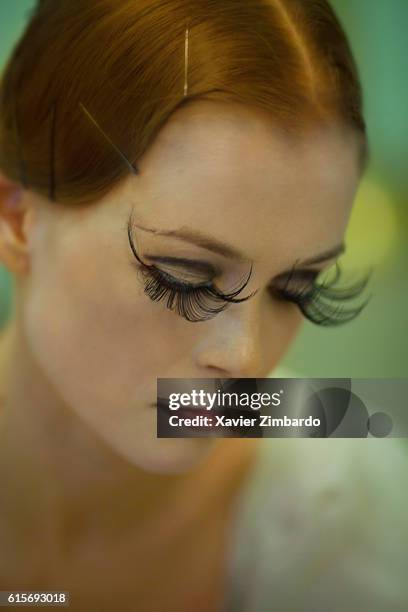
(85, 345)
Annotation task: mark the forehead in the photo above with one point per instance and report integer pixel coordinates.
(231, 173)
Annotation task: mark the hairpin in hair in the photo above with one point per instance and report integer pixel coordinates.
(21, 162)
(52, 152)
(186, 63)
(131, 167)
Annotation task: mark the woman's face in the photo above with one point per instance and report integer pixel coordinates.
(219, 171)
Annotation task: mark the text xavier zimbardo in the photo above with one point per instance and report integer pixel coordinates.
(255, 401)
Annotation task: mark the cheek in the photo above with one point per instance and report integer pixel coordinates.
(99, 343)
(99, 340)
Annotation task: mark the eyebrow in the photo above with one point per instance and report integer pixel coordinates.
(197, 238)
(325, 255)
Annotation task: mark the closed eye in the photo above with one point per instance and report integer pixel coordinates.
(186, 265)
(322, 303)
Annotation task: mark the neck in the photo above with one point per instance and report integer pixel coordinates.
(60, 479)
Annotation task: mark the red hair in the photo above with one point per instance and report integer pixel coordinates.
(123, 61)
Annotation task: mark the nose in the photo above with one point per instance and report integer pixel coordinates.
(231, 345)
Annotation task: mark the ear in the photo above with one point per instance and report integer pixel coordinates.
(15, 220)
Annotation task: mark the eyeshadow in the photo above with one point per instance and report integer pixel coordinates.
(197, 266)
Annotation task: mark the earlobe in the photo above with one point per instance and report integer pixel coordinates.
(15, 221)
(14, 254)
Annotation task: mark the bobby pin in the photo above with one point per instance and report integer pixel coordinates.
(118, 151)
(186, 63)
(52, 152)
(21, 162)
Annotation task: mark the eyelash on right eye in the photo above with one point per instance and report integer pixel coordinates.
(195, 303)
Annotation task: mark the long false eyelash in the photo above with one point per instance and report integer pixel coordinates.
(195, 303)
(192, 303)
(326, 305)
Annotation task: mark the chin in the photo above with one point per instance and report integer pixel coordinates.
(174, 455)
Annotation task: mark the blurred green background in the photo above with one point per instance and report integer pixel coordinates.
(376, 343)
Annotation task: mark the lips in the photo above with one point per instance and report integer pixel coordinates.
(188, 412)
(184, 411)
(161, 403)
